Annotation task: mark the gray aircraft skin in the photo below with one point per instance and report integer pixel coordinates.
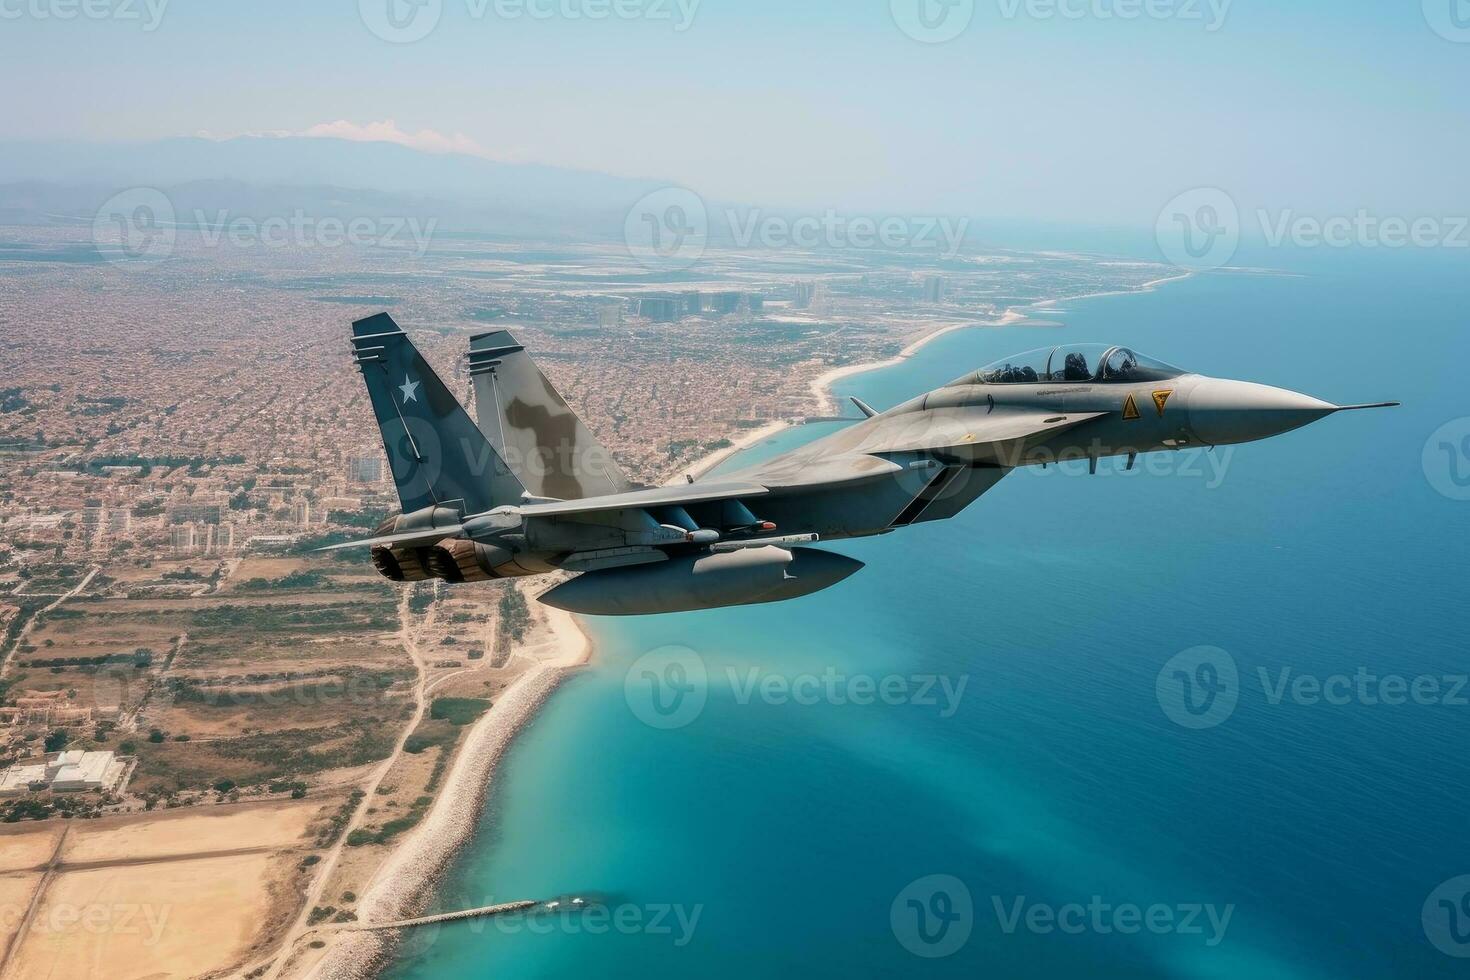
(528, 490)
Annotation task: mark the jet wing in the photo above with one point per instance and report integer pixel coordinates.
(824, 471)
(944, 429)
(858, 453)
(425, 536)
(675, 496)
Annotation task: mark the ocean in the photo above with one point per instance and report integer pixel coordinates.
(1204, 719)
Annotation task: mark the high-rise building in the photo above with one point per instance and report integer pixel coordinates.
(195, 512)
(934, 288)
(725, 303)
(659, 309)
(610, 315)
(809, 294)
(183, 539)
(365, 469)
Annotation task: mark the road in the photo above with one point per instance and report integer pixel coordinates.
(25, 630)
(329, 860)
(49, 872)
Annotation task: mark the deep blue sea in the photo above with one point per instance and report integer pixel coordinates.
(1050, 817)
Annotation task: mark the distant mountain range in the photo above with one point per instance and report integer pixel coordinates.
(264, 174)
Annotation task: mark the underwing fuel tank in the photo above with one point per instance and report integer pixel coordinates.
(737, 578)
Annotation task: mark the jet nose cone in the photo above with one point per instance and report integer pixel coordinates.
(1225, 412)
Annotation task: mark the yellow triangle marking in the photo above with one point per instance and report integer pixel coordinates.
(1161, 398)
(1130, 409)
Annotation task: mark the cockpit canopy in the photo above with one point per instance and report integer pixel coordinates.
(1075, 363)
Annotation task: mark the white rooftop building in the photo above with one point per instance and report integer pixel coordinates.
(74, 771)
(18, 780)
(77, 771)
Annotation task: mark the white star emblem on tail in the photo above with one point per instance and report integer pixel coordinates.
(410, 389)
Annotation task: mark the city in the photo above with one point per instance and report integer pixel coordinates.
(180, 437)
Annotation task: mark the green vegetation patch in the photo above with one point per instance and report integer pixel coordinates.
(458, 711)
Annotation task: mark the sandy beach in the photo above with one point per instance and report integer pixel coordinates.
(821, 385)
(404, 882)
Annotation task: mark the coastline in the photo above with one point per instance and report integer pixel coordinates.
(822, 384)
(1146, 287)
(404, 882)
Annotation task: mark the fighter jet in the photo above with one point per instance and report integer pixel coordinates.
(529, 490)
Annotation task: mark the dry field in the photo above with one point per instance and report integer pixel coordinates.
(132, 895)
(279, 671)
(151, 920)
(24, 847)
(15, 897)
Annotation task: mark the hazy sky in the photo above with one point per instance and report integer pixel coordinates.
(1068, 110)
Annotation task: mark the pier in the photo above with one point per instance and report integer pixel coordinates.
(425, 920)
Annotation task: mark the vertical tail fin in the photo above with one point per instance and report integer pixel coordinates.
(438, 456)
(530, 425)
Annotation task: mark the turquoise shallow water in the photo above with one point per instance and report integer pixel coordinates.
(768, 837)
